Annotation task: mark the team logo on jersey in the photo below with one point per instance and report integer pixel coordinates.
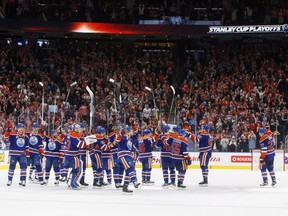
(20, 142)
(51, 145)
(129, 145)
(33, 140)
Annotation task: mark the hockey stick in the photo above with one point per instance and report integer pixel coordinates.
(150, 90)
(91, 94)
(62, 112)
(42, 112)
(173, 91)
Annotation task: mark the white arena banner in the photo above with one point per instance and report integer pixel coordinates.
(248, 29)
(219, 160)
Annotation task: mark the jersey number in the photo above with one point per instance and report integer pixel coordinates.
(141, 148)
(175, 148)
(68, 144)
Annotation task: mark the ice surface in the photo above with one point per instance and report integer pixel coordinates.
(230, 192)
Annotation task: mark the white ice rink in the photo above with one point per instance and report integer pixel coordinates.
(230, 192)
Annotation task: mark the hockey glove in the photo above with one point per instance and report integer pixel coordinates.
(261, 163)
(188, 160)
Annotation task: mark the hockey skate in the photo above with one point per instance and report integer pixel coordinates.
(36, 180)
(165, 186)
(83, 183)
(43, 183)
(137, 185)
(97, 185)
(118, 185)
(204, 183)
(274, 184)
(103, 184)
(56, 183)
(148, 183)
(22, 183)
(33, 180)
(63, 179)
(126, 190)
(30, 179)
(264, 184)
(181, 186)
(172, 184)
(9, 183)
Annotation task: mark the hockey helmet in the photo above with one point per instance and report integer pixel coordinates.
(146, 131)
(262, 130)
(165, 128)
(20, 125)
(35, 125)
(206, 127)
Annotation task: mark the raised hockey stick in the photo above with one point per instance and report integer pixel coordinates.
(91, 94)
(173, 91)
(62, 112)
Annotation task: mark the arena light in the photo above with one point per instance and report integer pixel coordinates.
(86, 28)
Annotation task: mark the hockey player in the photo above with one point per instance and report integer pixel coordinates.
(71, 157)
(125, 148)
(179, 155)
(145, 148)
(267, 154)
(136, 126)
(63, 170)
(96, 156)
(107, 160)
(117, 171)
(205, 152)
(166, 162)
(36, 150)
(18, 152)
(54, 153)
(82, 154)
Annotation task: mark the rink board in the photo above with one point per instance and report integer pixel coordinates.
(219, 160)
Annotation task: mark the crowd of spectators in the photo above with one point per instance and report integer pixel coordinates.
(226, 11)
(238, 88)
(234, 88)
(90, 64)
